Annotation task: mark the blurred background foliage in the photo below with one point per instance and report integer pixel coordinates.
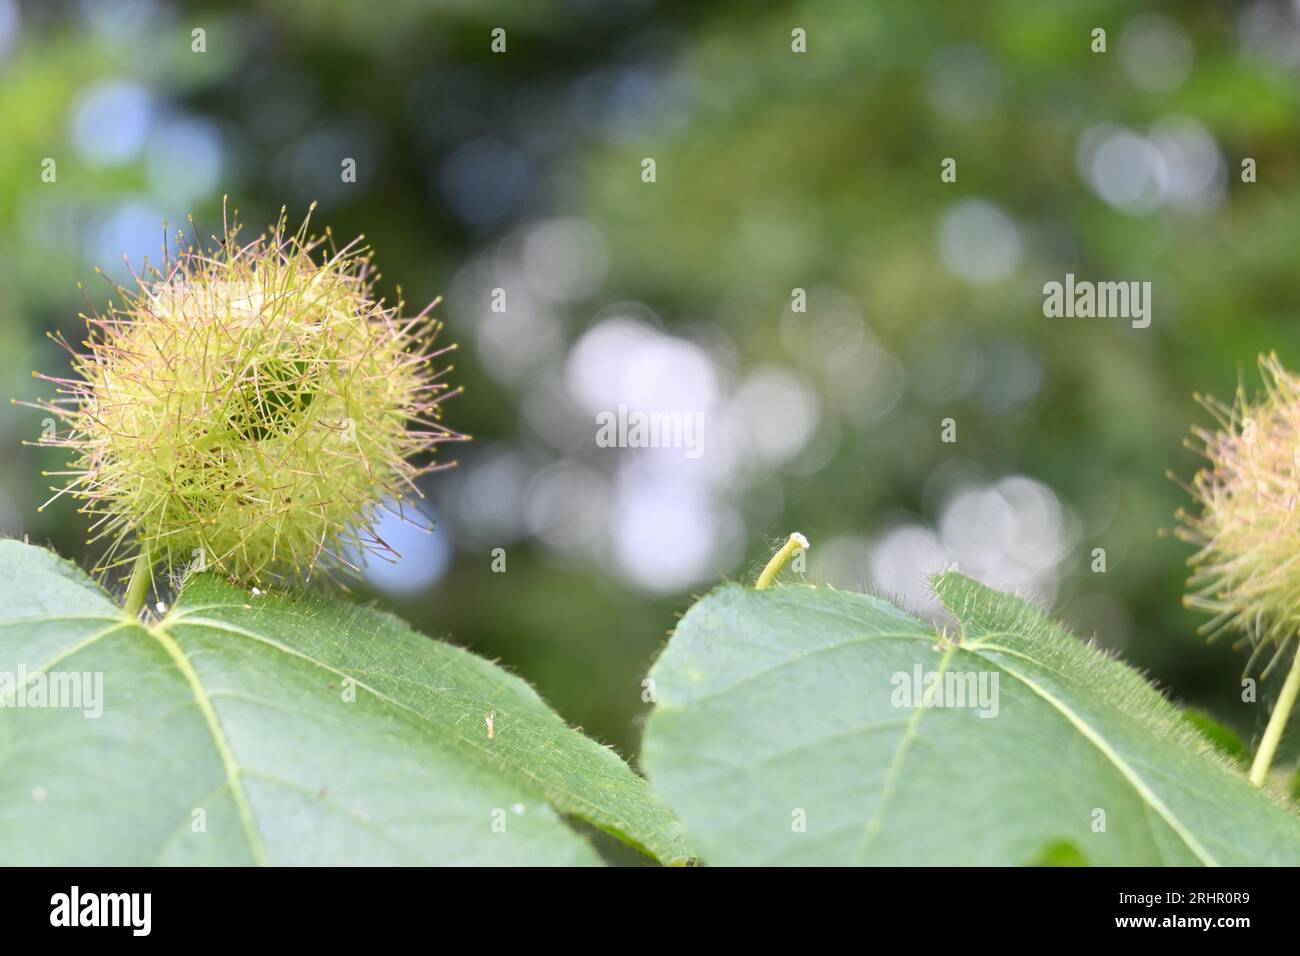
(522, 172)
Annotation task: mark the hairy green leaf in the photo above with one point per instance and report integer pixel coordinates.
(786, 732)
(249, 729)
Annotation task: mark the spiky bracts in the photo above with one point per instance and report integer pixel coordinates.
(1247, 569)
(248, 408)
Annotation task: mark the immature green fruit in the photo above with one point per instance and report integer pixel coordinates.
(250, 408)
(1247, 569)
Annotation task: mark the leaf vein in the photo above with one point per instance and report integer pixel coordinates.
(1126, 770)
(219, 739)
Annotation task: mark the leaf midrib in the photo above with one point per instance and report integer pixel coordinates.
(219, 739)
(595, 814)
(202, 701)
(873, 824)
(1134, 779)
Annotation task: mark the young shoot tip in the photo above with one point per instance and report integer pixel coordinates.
(795, 543)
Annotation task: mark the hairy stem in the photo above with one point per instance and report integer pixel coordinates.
(796, 542)
(141, 575)
(1276, 724)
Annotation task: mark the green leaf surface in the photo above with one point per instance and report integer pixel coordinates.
(296, 730)
(1227, 740)
(787, 706)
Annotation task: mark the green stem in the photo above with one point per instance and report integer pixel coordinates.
(796, 542)
(1276, 724)
(141, 575)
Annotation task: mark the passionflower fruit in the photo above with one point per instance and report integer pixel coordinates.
(249, 406)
